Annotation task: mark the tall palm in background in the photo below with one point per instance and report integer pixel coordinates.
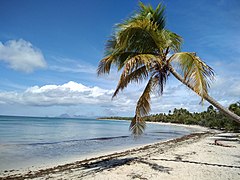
(145, 50)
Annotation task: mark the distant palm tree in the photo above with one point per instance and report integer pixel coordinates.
(146, 50)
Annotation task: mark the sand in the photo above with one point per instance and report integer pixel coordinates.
(195, 156)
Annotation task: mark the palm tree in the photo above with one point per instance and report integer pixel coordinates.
(145, 50)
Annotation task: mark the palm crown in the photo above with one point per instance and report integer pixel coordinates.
(143, 49)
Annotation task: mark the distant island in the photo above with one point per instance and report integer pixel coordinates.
(211, 118)
(65, 115)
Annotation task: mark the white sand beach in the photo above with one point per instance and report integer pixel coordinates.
(194, 156)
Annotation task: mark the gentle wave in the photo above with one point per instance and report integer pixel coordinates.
(67, 141)
(77, 140)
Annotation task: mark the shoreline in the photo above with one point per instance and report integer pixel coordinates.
(46, 171)
(191, 126)
(103, 166)
(37, 165)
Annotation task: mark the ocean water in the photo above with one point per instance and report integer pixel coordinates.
(38, 141)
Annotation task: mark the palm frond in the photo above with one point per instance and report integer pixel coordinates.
(160, 73)
(111, 45)
(172, 40)
(141, 59)
(125, 78)
(146, 11)
(195, 72)
(137, 125)
(136, 69)
(130, 42)
(143, 104)
(140, 36)
(105, 65)
(122, 57)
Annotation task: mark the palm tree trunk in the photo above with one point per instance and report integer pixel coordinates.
(208, 98)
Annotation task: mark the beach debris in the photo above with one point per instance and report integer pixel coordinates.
(225, 137)
(220, 144)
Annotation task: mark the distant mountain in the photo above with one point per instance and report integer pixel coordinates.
(79, 116)
(65, 115)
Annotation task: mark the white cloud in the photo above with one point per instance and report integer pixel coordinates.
(21, 55)
(74, 95)
(226, 89)
(70, 93)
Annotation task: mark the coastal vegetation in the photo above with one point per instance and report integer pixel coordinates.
(146, 51)
(211, 118)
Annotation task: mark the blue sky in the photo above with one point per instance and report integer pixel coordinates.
(49, 52)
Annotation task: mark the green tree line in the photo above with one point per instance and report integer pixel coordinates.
(211, 118)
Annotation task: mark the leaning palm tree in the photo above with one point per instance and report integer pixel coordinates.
(144, 49)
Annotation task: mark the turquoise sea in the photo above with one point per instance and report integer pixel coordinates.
(37, 141)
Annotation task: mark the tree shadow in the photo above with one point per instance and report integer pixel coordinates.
(107, 164)
(157, 167)
(112, 163)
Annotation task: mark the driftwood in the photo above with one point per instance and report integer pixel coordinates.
(225, 137)
(220, 144)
